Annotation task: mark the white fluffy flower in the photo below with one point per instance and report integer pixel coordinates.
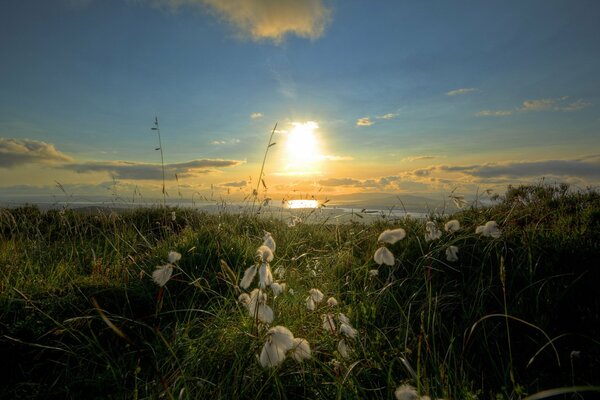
(248, 277)
(329, 323)
(310, 303)
(173, 257)
(490, 229)
(173, 216)
(277, 288)
(343, 319)
(279, 341)
(343, 349)
(433, 233)
(300, 350)
(265, 313)
(316, 295)
(265, 254)
(373, 273)
(391, 236)
(271, 355)
(384, 256)
(244, 298)
(348, 330)
(452, 253)
(269, 242)
(332, 302)
(265, 277)
(452, 226)
(162, 274)
(406, 392)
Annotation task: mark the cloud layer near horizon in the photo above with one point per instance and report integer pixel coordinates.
(265, 19)
(16, 152)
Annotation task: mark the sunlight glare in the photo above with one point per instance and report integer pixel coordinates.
(302, 150)
(302, 204)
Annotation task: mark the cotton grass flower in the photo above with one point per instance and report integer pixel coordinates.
(265, 277)
(406, 392)
(329, 323)
(279, 341)
(332, 302)
(248, 277)
(257, 307)
(310, 303)
(300, 350)
(374, 273)
(264, 254)
(452, 253)
(244, 298)
(173, 257)
(384, 256)
(162, 274)
(452, 226)
(391, 236)
(269, 241)
(490, 229)
(316, 295)
(277, 288)
(343, 319)
(432, 231)
(343, 349)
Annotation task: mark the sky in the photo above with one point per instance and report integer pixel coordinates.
(399, 97)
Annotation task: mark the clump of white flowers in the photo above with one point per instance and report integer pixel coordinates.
(279, 342)
(452, 253)
(431, 231)
(383, 255)
(315, 296)
(452, 226)
(490, 229)
(162, 273)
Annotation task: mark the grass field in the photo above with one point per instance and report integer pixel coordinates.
(518, 312)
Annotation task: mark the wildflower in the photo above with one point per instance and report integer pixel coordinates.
(459, 201)
(391, 236)
(490, 229)
(332, 302)
(291, 291)
(265, 277)
(249, 275)
(173, 216)
(343, 319)
(373, 273)
(316, 295)
(162, 274)
(348, 330)
(343, 349)
(244, 298)
(279, 341)
(433, 233)
(280, 272)
(257, 307)
(384, 256)
(406, 392)
(269, 241)
(265, 254)
(329, 323)
(452, 226)
(300, 350)
(277, 288)
(310, 303)
(173, 257)
(452, 253)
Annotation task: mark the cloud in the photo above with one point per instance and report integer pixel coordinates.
(554, 104)
(256, 115)
(488, 113)
(332, 157)
(418, 158)
(364, 122)
(221, 142)
(265, 19)
(147, 171)
(387, 116)
(461, 91)
(340, 182)
(15, 152)
(238, 184)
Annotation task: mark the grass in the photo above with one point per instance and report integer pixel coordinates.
(81, 317)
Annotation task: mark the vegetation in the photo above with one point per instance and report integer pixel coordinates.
(80, 315)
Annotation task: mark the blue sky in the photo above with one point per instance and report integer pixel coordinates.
(426, 94)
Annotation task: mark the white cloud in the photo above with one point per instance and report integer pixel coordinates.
(15, 152)
(265, 19)
(554, 104)
(364, 122)
(489, 113)
(461, 91)
(418, 158)
(256, 115)
(387, 116)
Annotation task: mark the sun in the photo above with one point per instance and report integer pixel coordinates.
(302, 149)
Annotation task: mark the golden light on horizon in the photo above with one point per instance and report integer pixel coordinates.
(302, 153)
(302, 204)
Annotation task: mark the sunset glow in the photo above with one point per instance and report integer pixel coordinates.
(302, 149)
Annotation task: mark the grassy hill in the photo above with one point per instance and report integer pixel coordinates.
(516, 314)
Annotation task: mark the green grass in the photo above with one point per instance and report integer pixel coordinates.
(502, 322)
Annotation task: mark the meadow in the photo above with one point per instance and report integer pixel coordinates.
(511, 312)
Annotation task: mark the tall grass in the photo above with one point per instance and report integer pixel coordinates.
(515, 315)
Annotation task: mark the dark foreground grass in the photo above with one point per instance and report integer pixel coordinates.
(80, 316)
